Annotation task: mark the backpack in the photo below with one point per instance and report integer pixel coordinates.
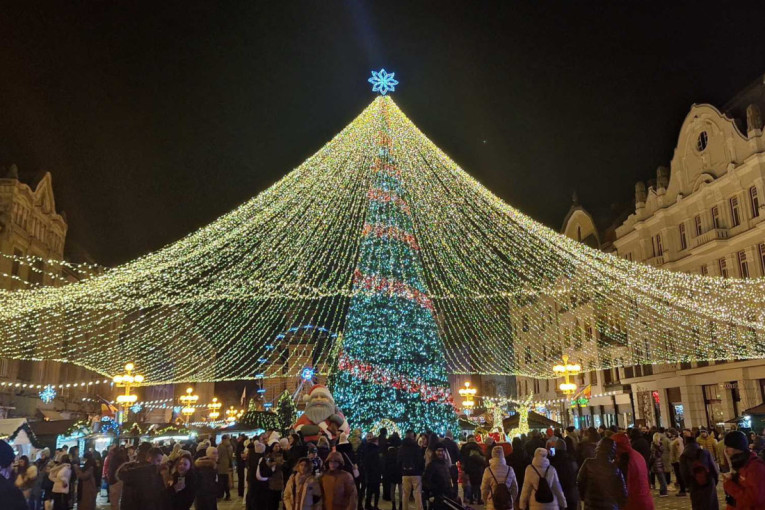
(544, 493)
(700, 470)
(500, 496)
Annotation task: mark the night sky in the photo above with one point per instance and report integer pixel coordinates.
(157, 117)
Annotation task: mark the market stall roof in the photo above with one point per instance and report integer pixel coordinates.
(8, 427)
(51, 428)
(536, 421)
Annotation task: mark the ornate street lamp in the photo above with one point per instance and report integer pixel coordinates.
(231, 415)
(467, 393)
(566, 370)
(214, 408)
(127, 380)
(188, 400)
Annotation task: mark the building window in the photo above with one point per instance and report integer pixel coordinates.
(697, 224)
(734, 212)
(716, 217)
(723, 266)
(17, 254)
(743, 265)
(704, 270)
(36, 272)
(683, 240)
(659, 247)
(754, 201)
(761, 249)
(713, 404)
(701, 141)
(579, 234)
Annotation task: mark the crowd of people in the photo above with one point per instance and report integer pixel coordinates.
(595, 468)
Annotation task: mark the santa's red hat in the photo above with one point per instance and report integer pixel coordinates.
(319, 389)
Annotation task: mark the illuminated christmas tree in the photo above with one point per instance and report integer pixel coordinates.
(392, 361)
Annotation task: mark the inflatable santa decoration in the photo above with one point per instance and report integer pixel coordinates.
(321, 416)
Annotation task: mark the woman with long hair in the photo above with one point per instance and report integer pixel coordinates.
(182, 485)
(86, 477)
(302, 492)
(270, 470)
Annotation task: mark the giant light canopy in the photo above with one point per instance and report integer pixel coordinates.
(226, 301)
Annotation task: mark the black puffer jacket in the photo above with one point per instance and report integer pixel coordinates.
(411, 461)
(142, 487)
(601, 484)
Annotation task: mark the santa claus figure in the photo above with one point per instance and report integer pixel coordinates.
(321, 416)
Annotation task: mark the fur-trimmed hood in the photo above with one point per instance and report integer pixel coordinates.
(205, 462)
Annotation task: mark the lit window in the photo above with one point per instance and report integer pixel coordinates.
(723, 266)
(743, 265)
(734, 213)
(683, 240)
(716, 217)
(754, 201)
(701, 141)
(697, 224)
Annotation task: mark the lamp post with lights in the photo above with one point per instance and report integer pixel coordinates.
(127, 381)
(566, 370)
(214, 408)
(188, 400)
(467, 393)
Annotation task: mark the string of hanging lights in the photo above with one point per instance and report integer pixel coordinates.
(212, 305)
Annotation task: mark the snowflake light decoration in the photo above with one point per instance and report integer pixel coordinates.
(136, 408)
(47, 394)
(383, 82)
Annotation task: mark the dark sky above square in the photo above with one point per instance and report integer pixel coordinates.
(155, 117)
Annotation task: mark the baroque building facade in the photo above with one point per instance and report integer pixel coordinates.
(33, 233)
(702, 214)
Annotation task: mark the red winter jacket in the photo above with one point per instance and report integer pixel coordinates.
(749, 490)
(638, 492)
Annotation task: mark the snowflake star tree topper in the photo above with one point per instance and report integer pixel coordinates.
(383, 82)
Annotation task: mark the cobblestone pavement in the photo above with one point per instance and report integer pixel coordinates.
(671, 502)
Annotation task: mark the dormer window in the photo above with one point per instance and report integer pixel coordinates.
(701, 141)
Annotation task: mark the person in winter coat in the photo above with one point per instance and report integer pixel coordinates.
(600, 481)
(676, 448)
(746, 484)
(540, 468)
(239, 450)
(641, 445)
(345, 449)
(256, 490)
(182, 484)
(708, 442)
(271, 470)
(87, 479)
(635, 471)
(437, 480)
(411, 464)
(518, 460)
(225, 465)
(302, 491)
(657, 457)
(338, 492)
(61, 475)
(143, 486)
(372, 472)
(26, 480)
(567, 469)
(207, 481)
(587, 445)
(10, 495)
(473, 464)
(497, 473)
(115, 484)
(391, 471)
(694, 460)
(454, 455)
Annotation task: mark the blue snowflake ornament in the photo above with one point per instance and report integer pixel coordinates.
(47, 394)
(383, 82)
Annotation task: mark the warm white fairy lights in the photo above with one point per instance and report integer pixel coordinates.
(210, 306)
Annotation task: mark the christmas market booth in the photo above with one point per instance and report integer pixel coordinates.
(255, 422)
(97, 435)
(536, 422)
(18, 433)
(751, 419)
